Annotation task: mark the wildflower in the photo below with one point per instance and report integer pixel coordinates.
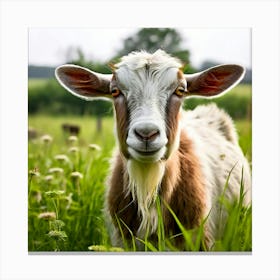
(77, 175)
(47, 216)
(46, 139)
(48, 178)
(56, 170)
(34, 172)
(94, 147)
(62, 158)
(54, 194)
(72, 139)
(73, 150)
(58, 235)
(57, 225)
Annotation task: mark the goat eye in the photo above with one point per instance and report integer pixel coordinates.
(180, 91)
(115, 92)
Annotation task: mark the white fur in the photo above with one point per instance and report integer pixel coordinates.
(144, 182)
(147, 81)
(217, 158)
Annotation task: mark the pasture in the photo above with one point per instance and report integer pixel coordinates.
(67, 185)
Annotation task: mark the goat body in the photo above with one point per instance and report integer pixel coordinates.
(184, 158)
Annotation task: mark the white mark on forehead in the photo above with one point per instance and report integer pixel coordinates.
(147, 81)
(146, 73)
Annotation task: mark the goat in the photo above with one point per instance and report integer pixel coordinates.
(72, 129)
(182, 157)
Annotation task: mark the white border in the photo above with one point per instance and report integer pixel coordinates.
(262, 16)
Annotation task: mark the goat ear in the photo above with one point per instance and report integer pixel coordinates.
(214, 81)
(84, 83)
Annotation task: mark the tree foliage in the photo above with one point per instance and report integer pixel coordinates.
(152, 39)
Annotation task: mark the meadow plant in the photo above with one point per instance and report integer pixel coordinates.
(66, 196)
(72, 139)
(94, 147)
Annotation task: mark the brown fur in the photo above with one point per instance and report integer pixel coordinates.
(172, 120)
(121, 113)
(120, 203)
(182, 189)
(187, 198)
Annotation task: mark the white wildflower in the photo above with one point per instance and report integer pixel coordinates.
(62, 158)
(76, 174)
(72, 139)
(94, 147)
(47, 216)
(48, 178)
(46, 139)
(73, 150)
(56, 170)
(34, 172)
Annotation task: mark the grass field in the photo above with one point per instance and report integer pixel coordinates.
(67, 183)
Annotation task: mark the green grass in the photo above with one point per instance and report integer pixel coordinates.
(37, 82)
(76, 221)
(237, 102)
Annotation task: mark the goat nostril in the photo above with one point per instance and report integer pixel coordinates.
(146, 134)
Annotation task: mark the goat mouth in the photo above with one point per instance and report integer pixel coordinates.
(146, 156)
(147, 153)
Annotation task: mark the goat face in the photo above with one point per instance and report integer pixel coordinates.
(147, 83)
(147, 91)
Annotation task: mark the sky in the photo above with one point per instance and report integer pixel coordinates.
(48, 46)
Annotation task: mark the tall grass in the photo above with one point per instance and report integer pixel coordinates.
(66, 187)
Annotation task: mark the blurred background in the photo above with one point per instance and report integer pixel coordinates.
(71, 140)
(96, 48)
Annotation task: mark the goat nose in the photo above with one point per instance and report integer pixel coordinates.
(146, 132)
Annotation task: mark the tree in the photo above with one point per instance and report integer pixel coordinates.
(151, 39)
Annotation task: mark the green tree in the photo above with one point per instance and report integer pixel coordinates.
(151, 39)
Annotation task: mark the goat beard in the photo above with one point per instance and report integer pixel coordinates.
(144, 183)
